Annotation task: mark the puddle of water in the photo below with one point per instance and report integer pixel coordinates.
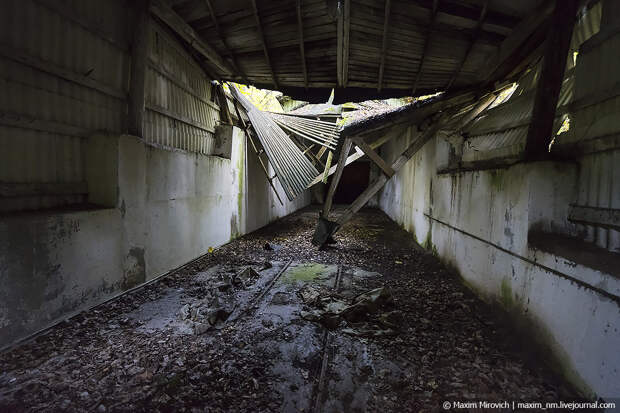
(309, 272)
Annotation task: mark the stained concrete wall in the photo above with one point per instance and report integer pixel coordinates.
(160, 209)
(478, 223)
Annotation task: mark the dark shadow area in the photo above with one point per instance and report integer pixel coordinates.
(354, 181)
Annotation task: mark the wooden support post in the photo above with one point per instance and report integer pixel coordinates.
(396, 131)
(139, 50)
(559, 33)
(328, 166)
(325, 229)
(375, 186)
(302, 50)
(225, 116)
(374, 156)
(344, 152)
(386, 26)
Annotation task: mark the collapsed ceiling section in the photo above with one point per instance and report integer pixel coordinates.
(362, 48)
(293, 169)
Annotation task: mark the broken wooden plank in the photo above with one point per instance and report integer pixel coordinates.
(559, 33)
(374, 156)
(396, 131)
(328, 165)
(344, 152)
(321, 235)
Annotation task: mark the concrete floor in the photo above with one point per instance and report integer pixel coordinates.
(211, 337)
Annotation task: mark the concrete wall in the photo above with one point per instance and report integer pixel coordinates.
(478, 223)
(161, 209)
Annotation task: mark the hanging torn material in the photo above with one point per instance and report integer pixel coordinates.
(317, 131)
(293, 169)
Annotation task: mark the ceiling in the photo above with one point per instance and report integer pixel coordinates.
(363, 48)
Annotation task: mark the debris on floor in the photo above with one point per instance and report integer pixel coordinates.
(370, 314)
(346, 328)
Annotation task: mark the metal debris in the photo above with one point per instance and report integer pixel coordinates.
(317, 131)
(293, 169)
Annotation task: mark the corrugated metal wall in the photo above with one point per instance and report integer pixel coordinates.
(64, 75)
(501, 131)
(180, 109)
(590, 97)
(595, 132)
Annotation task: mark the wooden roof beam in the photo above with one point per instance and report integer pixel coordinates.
(345, 44)
(160, 9)
(426, 45)
(519, 44)
(302, 51)
(235, 65)
(483, 15)
(261, 35)
(557, 44)
(386, 26)
(339, 43)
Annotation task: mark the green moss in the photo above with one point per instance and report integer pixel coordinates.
(506, 295)
(307, 272)
(497, 179)
(236, 220)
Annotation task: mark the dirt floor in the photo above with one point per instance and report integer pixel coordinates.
(269, 323)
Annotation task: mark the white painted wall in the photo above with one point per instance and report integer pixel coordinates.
(162, 209)
(478, 222)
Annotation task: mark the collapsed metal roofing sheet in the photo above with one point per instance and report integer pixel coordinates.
(293, 169)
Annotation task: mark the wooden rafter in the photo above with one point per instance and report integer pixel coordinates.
(345, 42)
(218, 31)
(339, 43)
(386, 25)
(374, 156)
(261, 35)
(427, 42)
(344, 152)
(322, 237)
(557, 44)
(524, 38)
(302, 52)
(472, 42)
(164, 12)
